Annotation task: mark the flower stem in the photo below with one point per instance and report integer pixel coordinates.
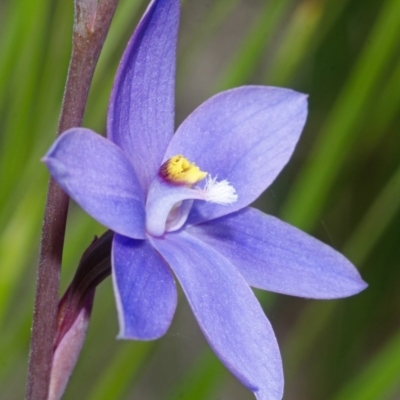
(91, 23)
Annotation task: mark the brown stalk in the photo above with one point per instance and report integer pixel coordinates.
(91, 24)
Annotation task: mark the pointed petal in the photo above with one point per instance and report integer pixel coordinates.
(227, 311)
(245, 135)
(141, 110)
(278, 257)
(144, 289)
(97, 175)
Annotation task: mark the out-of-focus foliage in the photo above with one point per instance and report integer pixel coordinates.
(342, 185)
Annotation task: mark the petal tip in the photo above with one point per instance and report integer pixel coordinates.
(362, 285)
(357, 283)
(352, 287)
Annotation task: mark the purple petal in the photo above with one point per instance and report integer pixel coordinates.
(144, 289)
(244, 135)
(227, 311)
(276, 256)
(141, 110)
(97, 175)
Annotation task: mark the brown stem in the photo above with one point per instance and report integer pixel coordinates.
(91, 24)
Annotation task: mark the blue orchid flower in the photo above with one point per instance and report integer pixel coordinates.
(179, 204)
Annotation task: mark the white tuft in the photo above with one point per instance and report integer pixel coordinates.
(221, 192)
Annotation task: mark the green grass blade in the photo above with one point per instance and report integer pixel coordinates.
(218, 13)
(26, 74)
(295, 43)
(340, 130)
(387, 105)
(17, 243)
(244, 63)
(378, 378)
(202, 380)
(375, 222)
(364, 239)
(120, 374)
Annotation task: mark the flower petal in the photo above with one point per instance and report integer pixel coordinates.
(245, 135)
(97, 175)
(141, 110)
(227, 311)
(144, 289)
(276, 256)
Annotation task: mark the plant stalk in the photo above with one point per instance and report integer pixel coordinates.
(91, 24)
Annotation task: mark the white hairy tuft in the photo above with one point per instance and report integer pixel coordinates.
(221, 192)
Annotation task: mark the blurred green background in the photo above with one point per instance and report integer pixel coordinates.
(342, 185)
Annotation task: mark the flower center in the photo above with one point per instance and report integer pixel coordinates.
(180, 171)
(173, 191)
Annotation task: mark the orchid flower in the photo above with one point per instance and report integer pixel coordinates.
(179, 205)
